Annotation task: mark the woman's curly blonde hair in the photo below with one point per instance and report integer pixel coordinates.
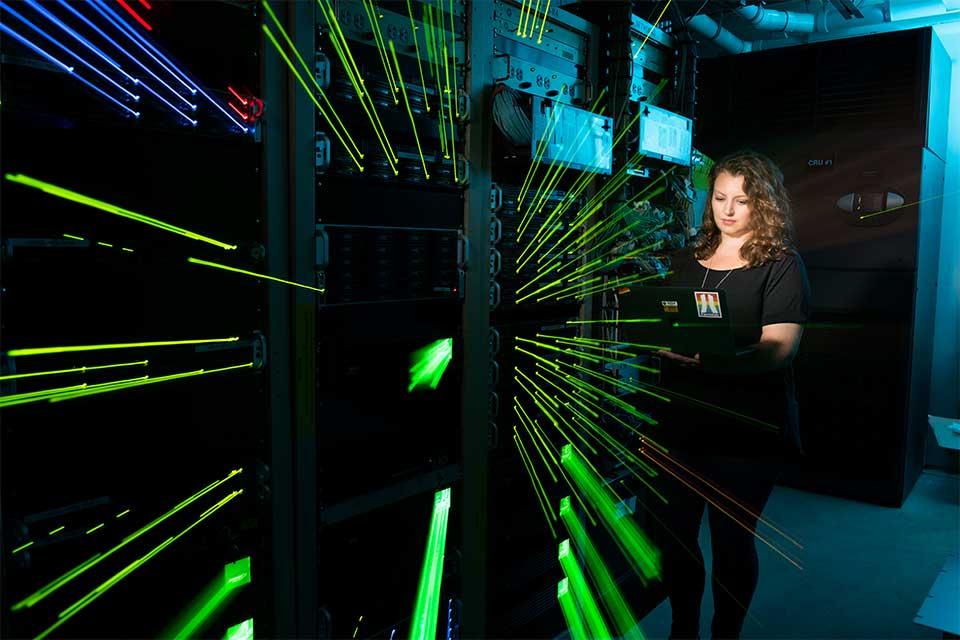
(770, 210)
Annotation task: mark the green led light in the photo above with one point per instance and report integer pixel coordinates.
(122, 513)
(67, 235)
(36, 396)
(74, 370)
(57, 530)
(40, 351)
(240, 631)
(427, 365)
(423, 623)
(126, 249)
(80, 569)
(105, 244)
(73, 196)
(207, 263)
(99, 526)
(643, 557)
(211, 600)
(108, 584)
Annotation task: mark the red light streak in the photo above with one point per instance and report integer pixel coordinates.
(146, 5)
(135, 15)
(242, 115)
(236, 95)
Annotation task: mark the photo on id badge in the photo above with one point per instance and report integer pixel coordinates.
(708, 304)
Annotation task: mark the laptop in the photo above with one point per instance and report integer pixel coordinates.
(686, 319)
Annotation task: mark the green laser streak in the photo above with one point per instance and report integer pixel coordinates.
(75, 370)
(122, 513)
(141, 382)
(342, 48)
(81, 604)
(908, 204)
(67, 235)
(406, 101)
(453, 148)
(527, 423)
(618, 383)
(533, 482)
(339, 129)
(416, 45)
(213, 598)
(39, 351)
(615, 283)
(22, 547)
(641, 554)
(596, 626)
(35, 396)
(371, 12)
(652, 27)
(453, 52)
(534, 165)
(423, 624)
(436, 64)
(557, 349)
(207, 263)
(544, 23)
(609, 593)
(428, 364)
(73, 196)
(571, 613)
(620, 321)
(58, 583)
(240, 631)
(99, 526)
(56, 531)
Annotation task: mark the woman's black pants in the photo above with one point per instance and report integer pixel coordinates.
(676, 526)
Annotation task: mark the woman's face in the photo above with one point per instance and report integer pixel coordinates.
(731, 206)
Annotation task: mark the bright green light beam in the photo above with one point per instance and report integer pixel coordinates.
(88, 599)
(615, 283)
(371, 12)
(352, 148)
(406, 101)
(557, 349)
(93, 561)
(559, 403)
(40, 351)
(536, 490)
(423, 623)
(608, 591)
(596, 626)
(30, 544)
(428, 364)
(73, 196)
(583, 345)
(620, 321)
(251, 273)
(571, 614)
(572, 287)
(141, 382)
(67, 235)
(623, 384)
(908, 204)
(532, 25)
(433, 33)
(583, 385)
(637, 345)
(416, 45)
(240, 631)
(642, 555)
(212, 599)
(74, 370)
(453, 52)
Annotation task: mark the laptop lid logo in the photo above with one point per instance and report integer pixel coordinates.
(708, 304)
(670, 306)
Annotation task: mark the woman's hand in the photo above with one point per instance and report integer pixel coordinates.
(684, 361)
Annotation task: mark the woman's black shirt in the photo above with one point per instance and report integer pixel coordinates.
(761, 416)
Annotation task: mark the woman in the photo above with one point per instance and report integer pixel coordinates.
(745, 421)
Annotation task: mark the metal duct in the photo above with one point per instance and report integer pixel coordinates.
(772, 20)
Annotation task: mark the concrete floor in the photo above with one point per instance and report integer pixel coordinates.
(866, 569)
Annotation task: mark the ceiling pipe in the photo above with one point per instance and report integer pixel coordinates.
(713, 32)
(765, 19)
